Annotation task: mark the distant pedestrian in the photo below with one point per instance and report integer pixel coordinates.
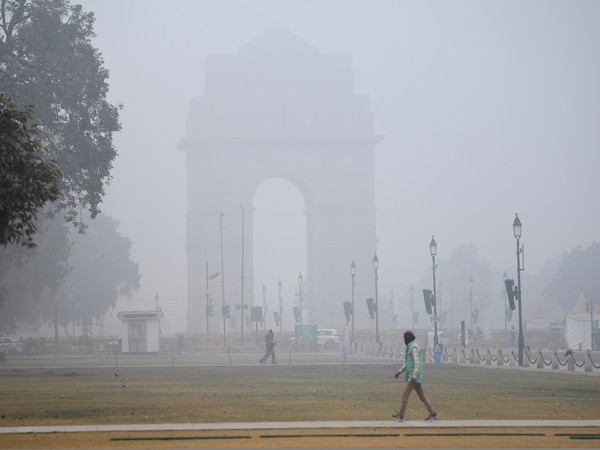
(270, 352)
(413, 367)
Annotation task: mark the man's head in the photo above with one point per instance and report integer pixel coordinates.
(409, 336)
(270, 331)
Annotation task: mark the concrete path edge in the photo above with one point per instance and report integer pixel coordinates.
(299, 425)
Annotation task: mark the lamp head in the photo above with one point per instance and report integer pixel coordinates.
(517, 228)
(433, 247)
(375, 262)
(279, 285)
(352, 269)
(264, 290)
(300, 279)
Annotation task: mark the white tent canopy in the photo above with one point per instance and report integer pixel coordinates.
(578, 327)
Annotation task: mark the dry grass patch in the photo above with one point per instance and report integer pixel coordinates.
(255, 393)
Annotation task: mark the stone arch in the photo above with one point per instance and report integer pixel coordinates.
(281, 109)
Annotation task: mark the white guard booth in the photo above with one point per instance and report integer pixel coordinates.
(140, 331)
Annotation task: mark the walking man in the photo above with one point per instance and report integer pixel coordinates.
(413, 367)
(270, 344)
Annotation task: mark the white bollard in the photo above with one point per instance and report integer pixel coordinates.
(540, 360)
(588, 361)
(473, 360)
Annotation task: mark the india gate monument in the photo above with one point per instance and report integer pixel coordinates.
(280, 108)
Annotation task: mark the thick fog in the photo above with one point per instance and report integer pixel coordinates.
(486, 109)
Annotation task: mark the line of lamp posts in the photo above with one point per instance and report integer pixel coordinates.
(257, 315)
(513, 293)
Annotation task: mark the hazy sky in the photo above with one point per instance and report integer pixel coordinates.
(486, 108)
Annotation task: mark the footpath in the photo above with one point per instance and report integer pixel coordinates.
(438, 424)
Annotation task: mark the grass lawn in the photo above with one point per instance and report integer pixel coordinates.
(254, 393)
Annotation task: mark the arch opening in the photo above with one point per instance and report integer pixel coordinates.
(279, 249)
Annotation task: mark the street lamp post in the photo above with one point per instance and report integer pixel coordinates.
(471, 301)
(156, 298)
(451, 294)
(375, 268)
(223, 286)
(264, 293)
(300, 281)
(280, 307)
(412, 306)
(352, 274)
(504, 298)
(208, 309)
(439, 292)
(433, 251)
(242, 277)
(517, 229)
(590, 305)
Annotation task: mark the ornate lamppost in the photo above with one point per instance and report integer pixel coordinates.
(300, 294)
(433, 251)
(242, 277)
(504, 298)
(223, 308)
(375, 268)
(352, 274)
(209, 307)
(264, 293)
(412, 306)
(517, 229)
(280, 307)
(471, 301)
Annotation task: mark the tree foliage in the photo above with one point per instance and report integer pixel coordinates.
(28, 180)
(577, 274)
(29, 275)
(102, 271)
(47, 60)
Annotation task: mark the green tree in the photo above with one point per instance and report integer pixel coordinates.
(577, 274)
(28, 179)
(29, 275)
(102, 271)
(47, 60)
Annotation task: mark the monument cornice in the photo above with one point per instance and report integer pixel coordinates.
(196, 143)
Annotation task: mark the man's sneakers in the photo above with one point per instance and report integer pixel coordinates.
(397, 416)
(433, 416)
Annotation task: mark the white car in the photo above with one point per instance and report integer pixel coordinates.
(328, 338)
(10, 346)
